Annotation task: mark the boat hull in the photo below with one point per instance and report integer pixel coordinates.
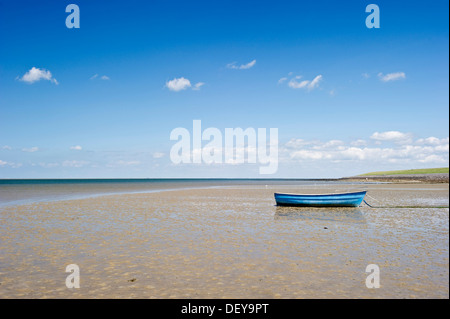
(326, 200)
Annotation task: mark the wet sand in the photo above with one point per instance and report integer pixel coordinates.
(230, 242)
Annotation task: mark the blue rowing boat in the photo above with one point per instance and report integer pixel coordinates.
(325, 200)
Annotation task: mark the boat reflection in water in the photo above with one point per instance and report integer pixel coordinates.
(337, 214)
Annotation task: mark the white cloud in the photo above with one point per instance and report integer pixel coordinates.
(76, 148)
(198, 85)
(280, 81)
(294, 84)
(242, 66)
(392, 136)
(158, 155)
(309, 155)
(330, 144)
(74, 163)
(305, 84)
(298, 143)
(358, 142)
(434, 159)
(432, 141)
(413, 153)
(103, 77)
(36, 74)
(365, 75)
(128, 163)
(315, 82)
(178, 84)
(248, 65)
(31, 149)
(7, 147)
(122, 163)
(48, 165)
(391, 76)
(354, 153)
(10, 164)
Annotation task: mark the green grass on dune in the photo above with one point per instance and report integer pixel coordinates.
(410, 171)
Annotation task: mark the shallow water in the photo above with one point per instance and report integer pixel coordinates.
(16, 192)
(230, 242)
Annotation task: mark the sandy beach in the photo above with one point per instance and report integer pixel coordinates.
(230, 242)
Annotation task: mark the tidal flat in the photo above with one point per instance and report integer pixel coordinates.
(228, 242)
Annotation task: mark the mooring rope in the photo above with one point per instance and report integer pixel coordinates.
(372, 198)
(368, 204)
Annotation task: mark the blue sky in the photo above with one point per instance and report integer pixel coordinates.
(99, 102)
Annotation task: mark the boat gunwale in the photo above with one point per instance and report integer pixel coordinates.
(332, 194)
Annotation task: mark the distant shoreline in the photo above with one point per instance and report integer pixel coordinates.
(401, 178)
(392, 178)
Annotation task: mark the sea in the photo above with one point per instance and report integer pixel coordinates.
(25, 191)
